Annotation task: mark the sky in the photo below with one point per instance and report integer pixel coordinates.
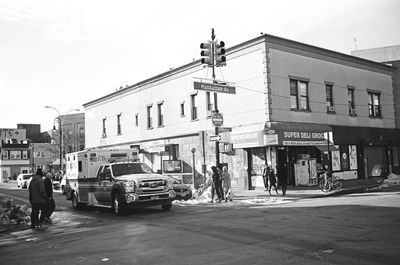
(67, 53)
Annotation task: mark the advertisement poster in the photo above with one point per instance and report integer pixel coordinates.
(335, 160)
(353, 157)
(344, 158)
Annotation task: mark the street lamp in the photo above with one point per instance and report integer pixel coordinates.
(60, 125)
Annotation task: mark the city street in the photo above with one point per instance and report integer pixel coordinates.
(351, 229)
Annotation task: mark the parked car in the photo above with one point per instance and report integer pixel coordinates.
(63, 183)
(23, 180)
(183, 191)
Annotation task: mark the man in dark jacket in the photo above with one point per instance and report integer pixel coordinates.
(50, 205)
(37, 198)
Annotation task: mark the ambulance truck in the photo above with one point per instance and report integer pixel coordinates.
(115, 179)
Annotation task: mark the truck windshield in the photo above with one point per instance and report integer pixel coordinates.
(130, 168)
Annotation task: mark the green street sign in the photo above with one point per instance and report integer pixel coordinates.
(219, 88)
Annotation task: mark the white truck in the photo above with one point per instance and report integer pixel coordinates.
(115, 179)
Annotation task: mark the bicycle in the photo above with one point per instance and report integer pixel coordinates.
(329, 183)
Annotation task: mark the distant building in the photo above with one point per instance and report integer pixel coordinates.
(15, 153)
(25, 149)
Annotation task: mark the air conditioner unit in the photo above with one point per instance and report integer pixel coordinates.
(330, 108)
(353, 112)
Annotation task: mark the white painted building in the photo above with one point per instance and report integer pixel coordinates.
(283, 89)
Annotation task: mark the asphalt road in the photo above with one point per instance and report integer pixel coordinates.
(351, 229)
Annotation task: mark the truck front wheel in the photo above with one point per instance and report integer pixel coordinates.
(119, 204)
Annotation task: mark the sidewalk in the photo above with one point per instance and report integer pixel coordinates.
(349, 186)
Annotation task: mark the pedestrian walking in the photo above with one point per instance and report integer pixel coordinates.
(283, 181)
(50, 204)
(272, 181)
(226, 184)
(265, 177)
(37, 198)
(217, 184)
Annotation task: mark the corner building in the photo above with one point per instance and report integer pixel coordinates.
(294, 104)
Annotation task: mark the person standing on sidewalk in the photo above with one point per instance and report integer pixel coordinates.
(265, 177)
(37, 198)
(217, 184)
(50, 205)
(272, 181)
(226, 183)
(283, 182)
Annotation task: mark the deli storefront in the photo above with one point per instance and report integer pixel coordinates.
(301, 152)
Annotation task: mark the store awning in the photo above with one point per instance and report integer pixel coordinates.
(248, 136)
(298, 134)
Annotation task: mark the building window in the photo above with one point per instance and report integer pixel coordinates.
(374, 104)
(149, 119)
(209, 105)
(104, 128)
(350, 99)
(137, 119)
(329, 98)
(119, 132)
(160, 115)
(298, 95)
(24, 154)
(193, 107)
(5, 154)
(183, 109)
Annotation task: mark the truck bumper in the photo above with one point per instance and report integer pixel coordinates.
(150, 199)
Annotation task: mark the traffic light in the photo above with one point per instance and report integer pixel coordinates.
(220, 59)
(206, 53)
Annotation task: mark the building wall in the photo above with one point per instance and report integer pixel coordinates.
(342, 75)
(246, 71)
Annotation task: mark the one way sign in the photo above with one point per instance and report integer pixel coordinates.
(215, 138)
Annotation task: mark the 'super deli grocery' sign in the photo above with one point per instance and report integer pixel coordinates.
(305, 138)
(304, 135)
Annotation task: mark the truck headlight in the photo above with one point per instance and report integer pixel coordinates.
(130, 186)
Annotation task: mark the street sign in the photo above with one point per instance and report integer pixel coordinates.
(217, 119)
(215, 138)
(224, 129)
(219, 88)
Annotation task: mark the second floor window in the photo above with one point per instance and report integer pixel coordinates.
(182, 109)
(193, 107)
(209, 105)
(374, 104)
(160, 115)
(329, 98)
(298, 95)
(119, 124)
(350, 99)
(137, 119)
(104, 128)
(149, 119)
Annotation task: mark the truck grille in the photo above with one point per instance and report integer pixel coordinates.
(151, 186)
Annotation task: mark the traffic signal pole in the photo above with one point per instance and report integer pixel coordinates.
(213, 54)
(215, 97)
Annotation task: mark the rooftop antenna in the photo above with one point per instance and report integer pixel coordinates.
(355, 43)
